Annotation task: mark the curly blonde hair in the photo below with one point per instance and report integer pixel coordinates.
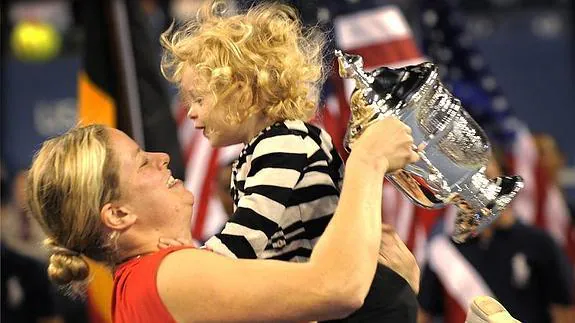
(258, 61)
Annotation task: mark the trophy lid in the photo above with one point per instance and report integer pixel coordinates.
(394, 84)
(401, 83)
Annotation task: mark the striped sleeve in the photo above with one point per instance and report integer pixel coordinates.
(277, 165)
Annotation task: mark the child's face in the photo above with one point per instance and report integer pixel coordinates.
(200, 102)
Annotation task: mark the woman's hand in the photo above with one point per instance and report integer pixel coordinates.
(394, 254)
(386, 144)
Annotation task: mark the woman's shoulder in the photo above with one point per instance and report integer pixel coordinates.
(136, 291)
(143, 267)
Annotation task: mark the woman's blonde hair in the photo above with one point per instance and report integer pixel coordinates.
(71, 178)
(261, 60)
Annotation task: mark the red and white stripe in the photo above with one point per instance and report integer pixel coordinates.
(541, 202)
(460, 280)
(523, 160)
(381, 36)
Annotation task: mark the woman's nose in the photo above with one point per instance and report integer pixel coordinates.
(163, 159)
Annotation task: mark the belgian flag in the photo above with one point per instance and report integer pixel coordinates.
(120, 85)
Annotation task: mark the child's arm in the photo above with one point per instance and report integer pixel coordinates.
(277, 165)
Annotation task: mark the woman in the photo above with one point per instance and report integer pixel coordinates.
(98, 195)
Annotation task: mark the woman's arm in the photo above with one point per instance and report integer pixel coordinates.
(197, 285)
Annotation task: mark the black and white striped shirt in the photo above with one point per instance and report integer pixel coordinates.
(286, 185)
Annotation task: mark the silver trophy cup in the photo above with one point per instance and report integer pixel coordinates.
(453, 149)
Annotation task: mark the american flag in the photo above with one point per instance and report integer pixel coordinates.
(464, 69)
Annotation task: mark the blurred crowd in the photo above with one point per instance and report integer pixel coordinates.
(525, 259)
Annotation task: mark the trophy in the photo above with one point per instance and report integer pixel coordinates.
(453, 149)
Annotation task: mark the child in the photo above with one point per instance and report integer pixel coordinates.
(255, 78)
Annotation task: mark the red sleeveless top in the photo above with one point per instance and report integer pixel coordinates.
(135, 298)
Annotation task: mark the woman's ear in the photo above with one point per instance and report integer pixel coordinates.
(117, 218)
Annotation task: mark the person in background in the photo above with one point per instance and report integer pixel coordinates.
(26, 293)
(554, 213)
(520, 265)
(19, 231)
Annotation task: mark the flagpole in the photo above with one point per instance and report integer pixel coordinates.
(127, 69)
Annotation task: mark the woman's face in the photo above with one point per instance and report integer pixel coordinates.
(148, 190)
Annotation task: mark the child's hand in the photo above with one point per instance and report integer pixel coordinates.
(164, 243)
